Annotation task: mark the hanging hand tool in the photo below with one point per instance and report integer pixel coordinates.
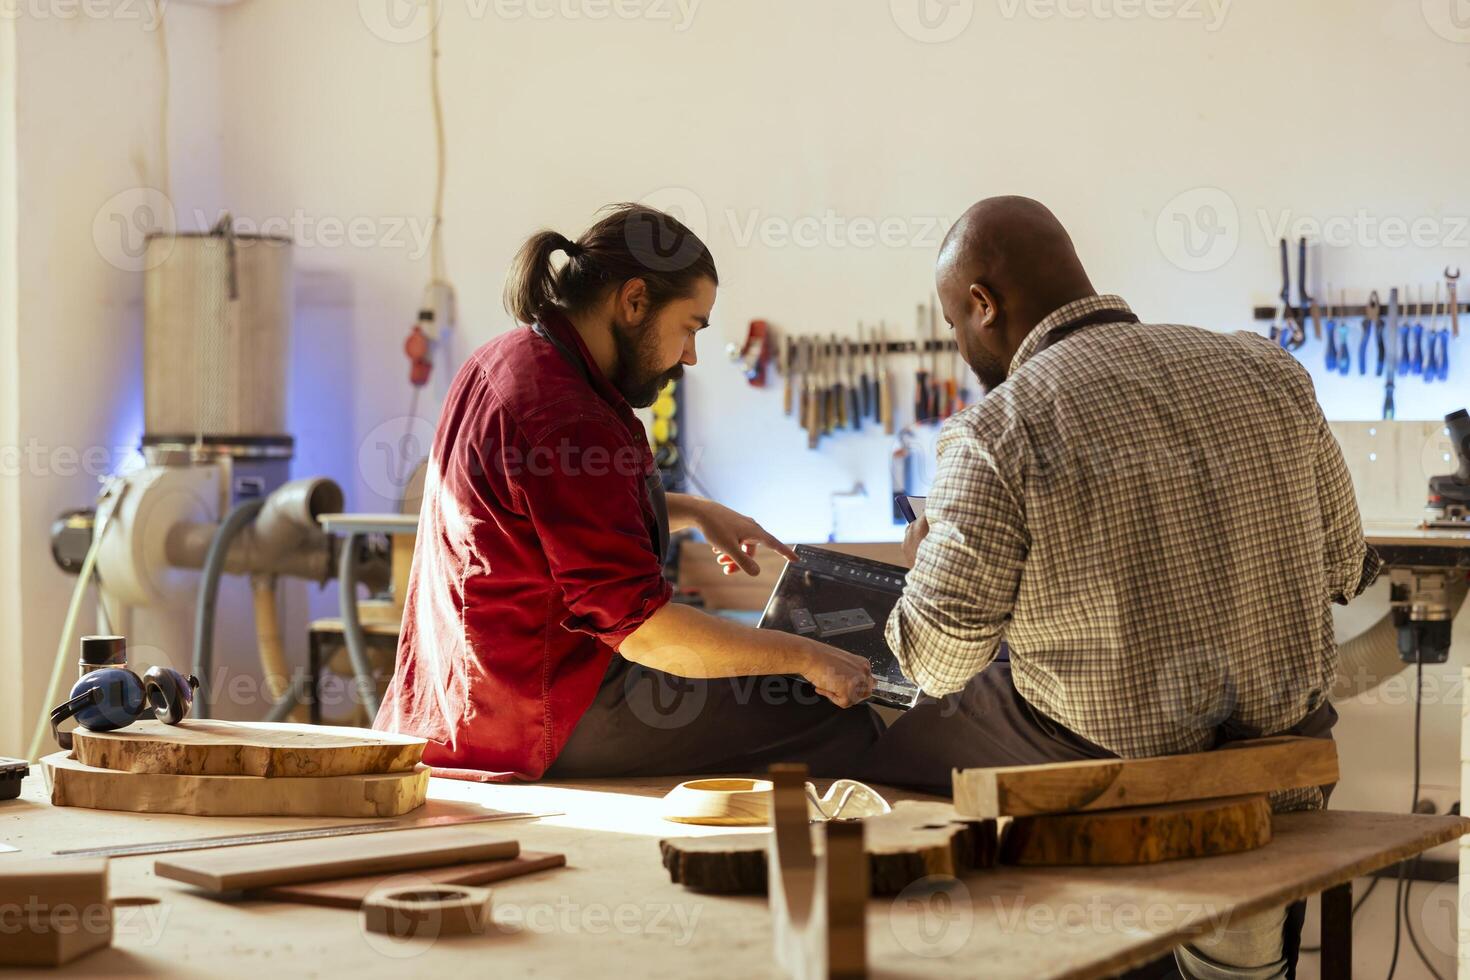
(1372, 325)
(864, 379)
(885, 381)
(1405, 354)
(1431, 345)
(854, 390)
(810, 412)
(962, 374)
(1390, 368)
(1451, 281)
(788, 368)
(1331, 357)
(1344, 332)
(1416, 342)
(936, 387)
(877, 374)
(921, 376)
(1291, 334)
(1308, 301)
(834, 388)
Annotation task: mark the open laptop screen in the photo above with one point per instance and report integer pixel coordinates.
(844, 601)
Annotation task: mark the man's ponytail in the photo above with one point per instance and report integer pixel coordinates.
(630, 241)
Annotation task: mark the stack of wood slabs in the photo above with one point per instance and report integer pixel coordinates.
(221, 768)
(1138, 811)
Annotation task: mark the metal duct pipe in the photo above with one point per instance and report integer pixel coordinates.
(285, 538)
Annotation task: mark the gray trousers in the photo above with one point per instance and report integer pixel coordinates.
(647, 723)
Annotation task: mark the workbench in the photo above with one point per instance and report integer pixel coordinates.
(613, 911)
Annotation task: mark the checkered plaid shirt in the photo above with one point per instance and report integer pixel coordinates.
(1155, 518)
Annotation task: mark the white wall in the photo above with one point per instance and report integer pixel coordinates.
(11, 656)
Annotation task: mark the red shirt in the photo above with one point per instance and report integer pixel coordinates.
(535, 558)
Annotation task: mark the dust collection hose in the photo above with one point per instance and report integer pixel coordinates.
(214, 565)
(352, 632)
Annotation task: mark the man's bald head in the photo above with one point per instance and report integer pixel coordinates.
(1004, 267)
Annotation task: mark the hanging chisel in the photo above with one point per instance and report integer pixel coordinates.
(1452, 280)
(936, 388)
(854, 390)
(921, 376)
(839, 390)
(885, 382)
(1390, 367)
(788, 364)
(810, 411)
(864, 379)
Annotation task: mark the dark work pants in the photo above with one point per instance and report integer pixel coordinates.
(647, 723)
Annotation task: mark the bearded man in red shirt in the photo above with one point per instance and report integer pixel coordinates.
(538, 635)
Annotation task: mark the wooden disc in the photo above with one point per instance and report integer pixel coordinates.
(1140, 835)
(388, 794)
(427, 912)
(234, 748)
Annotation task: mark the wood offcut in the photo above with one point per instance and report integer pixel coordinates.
(1260, 766)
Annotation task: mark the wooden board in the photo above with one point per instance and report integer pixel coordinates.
(375, 795)
(1140, 835)
(348, 893)
(914, 841)
(233, 748)
(263, 865)
(1261, 766)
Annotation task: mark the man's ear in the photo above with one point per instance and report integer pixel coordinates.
(981, 295)
(633, 300)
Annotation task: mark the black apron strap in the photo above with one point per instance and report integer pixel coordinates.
(653, 484)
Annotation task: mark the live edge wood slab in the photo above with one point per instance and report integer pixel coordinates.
(389, 794)
(229, 748)
(916, 840)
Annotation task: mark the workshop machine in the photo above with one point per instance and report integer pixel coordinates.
(214, 494)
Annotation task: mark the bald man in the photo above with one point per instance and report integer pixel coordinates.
(1133, 541)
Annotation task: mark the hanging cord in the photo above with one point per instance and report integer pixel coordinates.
(436, 241)
(165, 175)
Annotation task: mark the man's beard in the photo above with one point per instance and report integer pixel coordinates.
(639, 377)
(988, 368)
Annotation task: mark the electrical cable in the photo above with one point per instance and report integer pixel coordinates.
(1414, 865)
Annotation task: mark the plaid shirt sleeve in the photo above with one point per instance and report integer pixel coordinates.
(1351, 564)
(953, 614)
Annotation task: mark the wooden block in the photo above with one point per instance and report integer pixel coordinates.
(818, 894)
(232, 748)
(348, 893)
(262, 865)
(1260, 766)
(372, 795)
(914, 841)
(1140, 835)
(52, 911)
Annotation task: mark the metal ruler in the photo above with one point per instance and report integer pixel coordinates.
(312, 833)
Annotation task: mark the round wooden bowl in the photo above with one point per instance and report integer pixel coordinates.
(720, 802)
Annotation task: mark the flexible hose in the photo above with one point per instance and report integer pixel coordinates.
(1367, 660)
(214, 566)
(68, 630)
(352, 632)
(284, 690)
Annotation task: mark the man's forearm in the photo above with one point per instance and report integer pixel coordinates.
(687, 642)
(683, 510)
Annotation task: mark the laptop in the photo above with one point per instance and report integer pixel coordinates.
(843, 601)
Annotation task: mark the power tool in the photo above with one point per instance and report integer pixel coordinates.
(1449, 495)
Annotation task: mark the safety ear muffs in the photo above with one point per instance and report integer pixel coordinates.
(115, 697)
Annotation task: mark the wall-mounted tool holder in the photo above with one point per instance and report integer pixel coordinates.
(836, 383)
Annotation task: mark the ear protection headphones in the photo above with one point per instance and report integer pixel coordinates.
(107, 698)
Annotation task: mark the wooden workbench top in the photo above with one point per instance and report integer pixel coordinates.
(613, 911)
